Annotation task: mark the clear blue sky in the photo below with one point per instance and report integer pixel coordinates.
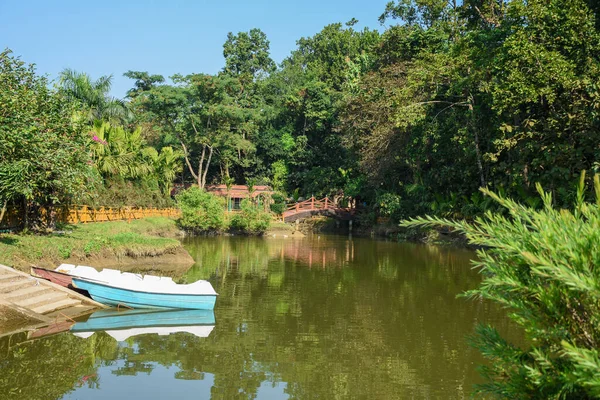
(163, 37)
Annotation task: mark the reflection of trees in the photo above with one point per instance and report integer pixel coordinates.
(380, 321)
(46, 368)
(383, 322)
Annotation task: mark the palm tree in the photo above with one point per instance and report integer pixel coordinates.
(93, 96)
(117, 151)
(166, 167)
(121, 152)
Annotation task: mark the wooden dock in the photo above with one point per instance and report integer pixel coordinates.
(39, 300)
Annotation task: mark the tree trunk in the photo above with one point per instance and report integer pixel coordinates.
(479, 163)
(200, 168)
(187, 161)
(473, 124)
(3, 211)
(210, 153)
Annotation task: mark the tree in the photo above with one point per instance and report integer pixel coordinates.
(247, 55)
(417, 12)
(93, 96)
(43, 155)
(166, 167)
(143, 82)
(118, 151)
(209, 119)
(123, 153)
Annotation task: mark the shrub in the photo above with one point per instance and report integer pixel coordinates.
(543, 265)
(251, 219)
(389, 205)
(201, 212)
(117, 192)
(278, 205)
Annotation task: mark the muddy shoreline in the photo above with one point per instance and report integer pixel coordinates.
(172, 263)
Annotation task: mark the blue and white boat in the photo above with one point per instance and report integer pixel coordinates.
(124, 324)
(114, 288)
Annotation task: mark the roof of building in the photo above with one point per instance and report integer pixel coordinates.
(238, 191)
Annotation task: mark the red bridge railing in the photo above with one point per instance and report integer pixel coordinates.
(312, 204)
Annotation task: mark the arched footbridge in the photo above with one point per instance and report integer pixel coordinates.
(315, 206)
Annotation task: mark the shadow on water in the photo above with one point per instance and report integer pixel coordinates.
(320, 317)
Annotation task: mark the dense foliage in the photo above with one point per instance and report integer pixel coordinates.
(250, 219)
(456, 96)
(204, 213)
(542, 266)
(43, 157)
(201, 212)
(58, 148)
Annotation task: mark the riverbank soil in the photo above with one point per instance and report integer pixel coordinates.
(322, 224)
(142, 243)
(280, 229)
(11, 320)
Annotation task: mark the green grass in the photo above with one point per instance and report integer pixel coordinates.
(146, 237)
(277, 226)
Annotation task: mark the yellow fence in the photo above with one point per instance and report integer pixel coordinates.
(14, 216)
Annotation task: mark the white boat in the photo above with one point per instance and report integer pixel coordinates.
(116, 288)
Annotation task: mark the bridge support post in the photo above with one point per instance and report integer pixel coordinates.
(312, 203)
(326, 202)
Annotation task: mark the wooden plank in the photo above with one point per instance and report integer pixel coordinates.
(57, 305)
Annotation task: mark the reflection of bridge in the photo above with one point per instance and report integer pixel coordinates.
(318, 253)
(313, 206)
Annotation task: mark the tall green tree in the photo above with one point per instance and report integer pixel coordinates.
(247, 55)
(205, 114)
(43, 155)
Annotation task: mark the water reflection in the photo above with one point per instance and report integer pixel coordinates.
(122, 325)
(314, 318)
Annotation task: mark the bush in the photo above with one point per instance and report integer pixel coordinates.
(278, 205)
(389, 205)
(118, 192)
(251, 219)
(543, 265)
(201, 212)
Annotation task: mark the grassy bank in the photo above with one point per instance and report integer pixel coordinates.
(150, 237)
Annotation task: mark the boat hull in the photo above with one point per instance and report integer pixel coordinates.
(115, 296)
(59, 278)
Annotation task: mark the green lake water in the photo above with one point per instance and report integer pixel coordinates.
(324, 317)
